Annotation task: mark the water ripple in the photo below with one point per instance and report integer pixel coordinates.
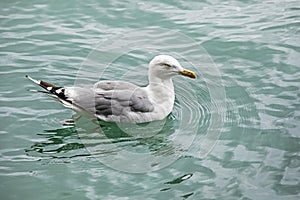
(255, 45)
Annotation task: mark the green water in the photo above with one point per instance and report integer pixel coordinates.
(235, 128)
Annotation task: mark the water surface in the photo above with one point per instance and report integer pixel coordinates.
(254, 45)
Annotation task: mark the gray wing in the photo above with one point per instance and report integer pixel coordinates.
(120, 102)
(114, 85)
(117, 98)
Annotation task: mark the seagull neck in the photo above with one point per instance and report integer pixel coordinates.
(155, 82)
(162, 89)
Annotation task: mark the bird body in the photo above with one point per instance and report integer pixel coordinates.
(120, 101)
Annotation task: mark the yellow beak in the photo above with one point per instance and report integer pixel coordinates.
(188, 73)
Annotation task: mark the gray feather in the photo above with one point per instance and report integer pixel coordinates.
(112, 98)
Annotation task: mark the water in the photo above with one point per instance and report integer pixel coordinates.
(253, 45)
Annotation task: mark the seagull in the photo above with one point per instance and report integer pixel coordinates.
(124, 102)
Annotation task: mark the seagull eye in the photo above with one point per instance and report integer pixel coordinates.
(166, 65)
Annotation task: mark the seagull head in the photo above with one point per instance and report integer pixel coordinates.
(165, 67)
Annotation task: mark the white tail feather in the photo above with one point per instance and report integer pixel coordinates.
(33, 80)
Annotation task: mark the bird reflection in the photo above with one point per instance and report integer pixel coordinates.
(89, 137)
